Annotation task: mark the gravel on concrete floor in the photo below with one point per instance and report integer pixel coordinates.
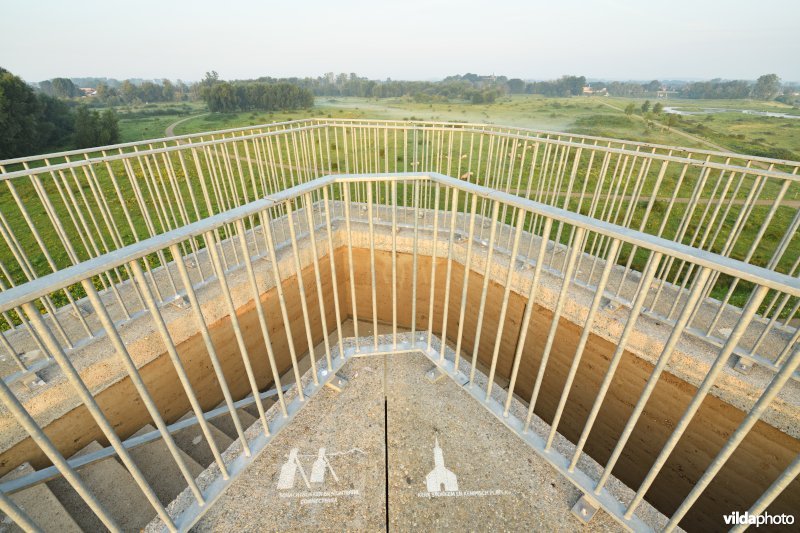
(327, 470)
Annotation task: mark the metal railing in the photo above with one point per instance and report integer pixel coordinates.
(272, 231)
(63, 209)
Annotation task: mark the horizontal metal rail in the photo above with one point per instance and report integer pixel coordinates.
(40, 287)
(35, 171)
(49, 169)
(122, 146)
(558, 134)
(413, 123)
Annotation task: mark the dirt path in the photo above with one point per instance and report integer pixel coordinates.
(170, 131)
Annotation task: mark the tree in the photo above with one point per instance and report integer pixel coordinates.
(516, 86)
(55, 124)
(86, 125)
(767, 87)
(46, 87)
(646, 106)
(127, 91)
(629, 109)
(653, 86)
(64, 88)
(106, 94)
(717, 88)
(20, 111)
(209, 79)
(227, 97)
(94, 129)
(672, 120)
(658, 108)
(167, 91)
(108, 130)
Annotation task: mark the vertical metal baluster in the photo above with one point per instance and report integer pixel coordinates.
(17, 515)
(309, 206)
(262, 320)
(141, 389)
(584, 338)
(661, 364)
(414, 263)
(349, 230)
(94, 410)
(434, 240)
(158, 320)
(276, 275)
(512, 262)
(562, 297)
(394, 229)
(301, 290)
(210, 349)
(526, 317)
(465, 279)
(486, 276)
(713, 373)
(33, 429)
(373, 282)
(647, 276)
(335, 283)
(736, 438)
(446, 304)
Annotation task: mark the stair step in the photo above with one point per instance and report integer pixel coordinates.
(252, 409)
(160, 469)
(39, 503)
(192, 441)
(113, 487)
(225, 422)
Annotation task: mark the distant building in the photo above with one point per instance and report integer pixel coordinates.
(88, 91)
(440, 479)
(588, 91)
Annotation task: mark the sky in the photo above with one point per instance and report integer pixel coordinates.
(410, 39)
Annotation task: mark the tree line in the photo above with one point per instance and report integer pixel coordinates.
(474, 88)
(228, 97)
(32, 122)
(109, 92)
(140, 93)
(766, 87)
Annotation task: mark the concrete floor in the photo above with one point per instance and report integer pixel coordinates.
(501, 483)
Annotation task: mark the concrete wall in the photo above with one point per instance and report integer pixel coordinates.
(123, 407)
(763, 455)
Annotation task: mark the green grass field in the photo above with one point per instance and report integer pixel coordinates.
(601, 116)
(733, 130)
(592, 116)
(149, 121)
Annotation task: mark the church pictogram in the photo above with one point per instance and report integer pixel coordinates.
(440, 479)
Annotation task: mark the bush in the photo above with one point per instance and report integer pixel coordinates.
(603, 121)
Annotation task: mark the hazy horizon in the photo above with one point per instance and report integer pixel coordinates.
(412, 40)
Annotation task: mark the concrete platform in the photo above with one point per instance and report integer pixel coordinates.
(288, 487)
(328, 470)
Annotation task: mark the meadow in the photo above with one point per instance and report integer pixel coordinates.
(600, 116)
